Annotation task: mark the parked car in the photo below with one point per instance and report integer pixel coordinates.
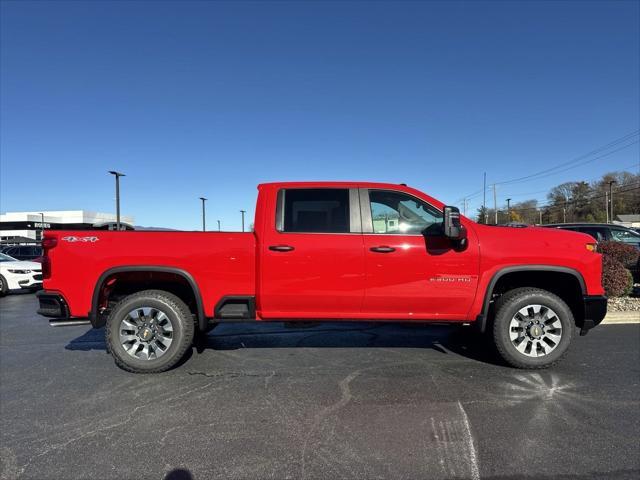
(603, 232)
(17, 274)
(23, 252)
(607, 232)
(328, 251)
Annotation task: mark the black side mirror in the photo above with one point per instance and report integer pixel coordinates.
(452, 227)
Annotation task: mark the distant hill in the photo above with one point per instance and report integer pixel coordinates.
(155, 229)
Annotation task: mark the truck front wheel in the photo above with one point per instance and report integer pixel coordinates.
(532, 328)
(149, 331)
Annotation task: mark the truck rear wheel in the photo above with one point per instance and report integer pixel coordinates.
(149, 331)
(532, 328)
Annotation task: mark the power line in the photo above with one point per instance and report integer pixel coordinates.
(511, 182)
(569, 164)
(593, 179)
(544, 173)
(580, 200)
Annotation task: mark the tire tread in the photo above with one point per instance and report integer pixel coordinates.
(503, 303)
(174, 302)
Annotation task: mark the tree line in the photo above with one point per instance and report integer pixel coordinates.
(578, 201)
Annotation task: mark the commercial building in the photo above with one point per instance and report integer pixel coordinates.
(25, 227)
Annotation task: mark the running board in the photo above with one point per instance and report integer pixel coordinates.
(68, 323)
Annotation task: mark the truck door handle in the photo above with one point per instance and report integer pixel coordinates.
(281, 248)
(382, 249)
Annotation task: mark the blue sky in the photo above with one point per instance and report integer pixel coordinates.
(211, 98)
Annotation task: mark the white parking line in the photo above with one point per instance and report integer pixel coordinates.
(471, 449)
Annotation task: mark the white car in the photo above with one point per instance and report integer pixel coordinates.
(16, 274)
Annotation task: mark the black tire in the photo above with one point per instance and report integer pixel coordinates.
(181, 321)
(506, 308)
(3, 286)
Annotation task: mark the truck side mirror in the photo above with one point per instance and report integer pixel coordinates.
(452, 227)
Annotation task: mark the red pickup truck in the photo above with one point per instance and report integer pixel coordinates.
(328, 251)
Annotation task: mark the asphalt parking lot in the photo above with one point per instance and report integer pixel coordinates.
(346, 401)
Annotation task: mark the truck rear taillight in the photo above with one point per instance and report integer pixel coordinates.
(47, 244)
(46, 267)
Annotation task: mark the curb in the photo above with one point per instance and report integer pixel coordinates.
(614, 318)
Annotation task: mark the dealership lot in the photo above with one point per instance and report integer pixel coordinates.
(330, 401)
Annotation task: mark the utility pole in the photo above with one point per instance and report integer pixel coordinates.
(464, 206)
(243, 212)
(611, 182)
(540, 211)
(203, 214)
(495, 203)
(606, 204)
(484, 198)
(218, 225)
(564, 213)
(117, 175)
(508, 210)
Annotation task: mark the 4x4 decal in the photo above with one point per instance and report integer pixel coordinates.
(79, 239)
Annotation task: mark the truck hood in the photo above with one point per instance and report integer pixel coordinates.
(533, 241)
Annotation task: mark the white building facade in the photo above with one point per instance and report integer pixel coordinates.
(20, 227)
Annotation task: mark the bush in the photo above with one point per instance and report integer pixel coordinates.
(627, 255)
(616, 280)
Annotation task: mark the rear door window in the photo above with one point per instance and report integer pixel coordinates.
(316, 210)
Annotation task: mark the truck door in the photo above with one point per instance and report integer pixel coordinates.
(409, 274)
(312, 262)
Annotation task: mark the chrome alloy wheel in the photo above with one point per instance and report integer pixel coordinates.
(146, 333)
(535, 330)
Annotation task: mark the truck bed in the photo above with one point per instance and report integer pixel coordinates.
(218, 262)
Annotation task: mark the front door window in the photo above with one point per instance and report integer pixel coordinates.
(401, 214)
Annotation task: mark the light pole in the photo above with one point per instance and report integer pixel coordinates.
(484, 198)
(243, 212)
(611, 182)
(218, 225)
(508, 210)
(495, 203)
(41, 225)
(203, 212)
(117, 175)
(540, 217)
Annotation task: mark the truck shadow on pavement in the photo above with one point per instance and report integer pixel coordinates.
(448, 340)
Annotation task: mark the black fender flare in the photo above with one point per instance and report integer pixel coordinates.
(482, 318)
(94, 316)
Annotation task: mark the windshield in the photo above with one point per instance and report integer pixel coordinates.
(6, 258)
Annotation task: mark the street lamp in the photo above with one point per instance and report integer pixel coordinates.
(218, 225)
(243, 212)
(117, 175)
(41, 225)
(203, 212)
(508, 210)
(611, 182)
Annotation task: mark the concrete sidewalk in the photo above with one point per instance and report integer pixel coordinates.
(613, 318)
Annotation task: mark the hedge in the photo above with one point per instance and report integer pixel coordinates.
(616, 280)
(627, 255)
